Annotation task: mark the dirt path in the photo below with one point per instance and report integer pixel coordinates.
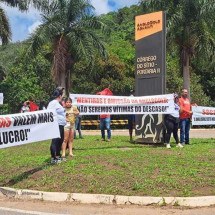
(82, 209)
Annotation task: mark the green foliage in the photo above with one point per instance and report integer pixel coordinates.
(10, 53)
(27, 79)
(174, 80)
(123, 49)
(197, 93)
(206, 72)
(111, 71)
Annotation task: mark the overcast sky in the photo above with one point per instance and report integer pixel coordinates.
(22, 24)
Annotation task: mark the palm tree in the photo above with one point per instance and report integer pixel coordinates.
(189, 24)
(70, 27)
(5, 32)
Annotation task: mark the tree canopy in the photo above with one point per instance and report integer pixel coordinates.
(70, 27)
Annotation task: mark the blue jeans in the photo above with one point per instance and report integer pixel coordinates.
(184, 130)
(77, 126)
(105, 123)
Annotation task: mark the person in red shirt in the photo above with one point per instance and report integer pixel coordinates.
(105, 123)
(33, 106)
(185, 117)
(105, 118)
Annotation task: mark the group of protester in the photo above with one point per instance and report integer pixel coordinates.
(69, 120)
(29, 106)
(181, 118)
(67, 117)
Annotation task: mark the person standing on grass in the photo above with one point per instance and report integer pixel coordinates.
(171, 122)
(25, 107)
(78, 127)
(105, 123)
(56, 143)
(185, 117)
(33, 106)
(105, 118)
(131, 122)
(71, 113)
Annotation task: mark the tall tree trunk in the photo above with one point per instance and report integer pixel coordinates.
(186, 71)
(69, 63)
(62, 81)
(61, 63)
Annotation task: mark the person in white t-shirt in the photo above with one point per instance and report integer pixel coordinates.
(25, 107)
(56, 143)
(172, 124)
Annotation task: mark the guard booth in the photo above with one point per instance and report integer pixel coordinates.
(150, 41)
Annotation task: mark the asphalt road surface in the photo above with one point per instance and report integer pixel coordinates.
(18, 207)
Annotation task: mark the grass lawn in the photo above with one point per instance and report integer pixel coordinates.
(116, 167)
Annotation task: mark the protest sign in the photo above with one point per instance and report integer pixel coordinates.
(203, 115)
(115, 105)
(1, 98)
(23, 128)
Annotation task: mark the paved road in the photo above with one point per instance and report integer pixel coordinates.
(18, 207)
(194, 133)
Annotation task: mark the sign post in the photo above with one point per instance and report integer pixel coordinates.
(150, 40)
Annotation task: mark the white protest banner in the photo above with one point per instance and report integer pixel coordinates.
(115, 105)
(203, 115)
(23, 128)
(1, 98)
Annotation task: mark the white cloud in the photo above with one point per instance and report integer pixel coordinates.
(126, 3)
(31, 14)
(101, 7)
(21, 22)
(32, 28)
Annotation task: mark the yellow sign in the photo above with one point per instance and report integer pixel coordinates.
(148, 24)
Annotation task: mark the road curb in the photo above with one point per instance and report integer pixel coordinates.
(202, 201)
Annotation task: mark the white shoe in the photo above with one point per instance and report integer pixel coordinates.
(180, 145)
(168, 146)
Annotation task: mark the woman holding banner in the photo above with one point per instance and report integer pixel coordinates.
(56, 143)
(172, 123)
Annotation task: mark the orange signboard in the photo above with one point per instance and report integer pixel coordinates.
(148, 24)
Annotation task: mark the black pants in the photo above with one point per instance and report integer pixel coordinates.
(171, 124)
(56, 143)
